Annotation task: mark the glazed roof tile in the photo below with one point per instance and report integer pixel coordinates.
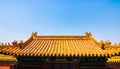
(114, 59)
(58, 46)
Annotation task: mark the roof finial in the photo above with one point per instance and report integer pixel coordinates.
(115, 44)
(88, 34)
(1, 43)
(34, 33)
(8, 43)
(20, 43)
(14, 42)
(108, 42)
(119, 44)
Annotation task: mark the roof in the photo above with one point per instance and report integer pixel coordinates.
(7, 58)
(114, 59)
(58, 46)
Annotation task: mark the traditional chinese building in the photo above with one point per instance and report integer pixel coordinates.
(61, 52)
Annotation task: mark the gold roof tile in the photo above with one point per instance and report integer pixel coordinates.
(115, 59)
(60, 46)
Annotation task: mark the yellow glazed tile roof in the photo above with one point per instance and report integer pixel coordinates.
(115, 59)
(58, 46)
(7, 57)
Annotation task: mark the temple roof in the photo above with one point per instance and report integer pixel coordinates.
(59, 46)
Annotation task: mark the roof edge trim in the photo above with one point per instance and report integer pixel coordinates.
(95, 40)
(28, 40)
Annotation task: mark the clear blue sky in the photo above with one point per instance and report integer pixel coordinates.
(19, 18)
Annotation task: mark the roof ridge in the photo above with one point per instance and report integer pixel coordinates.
(35, 36)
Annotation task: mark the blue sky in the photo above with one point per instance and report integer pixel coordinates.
(19, 18)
